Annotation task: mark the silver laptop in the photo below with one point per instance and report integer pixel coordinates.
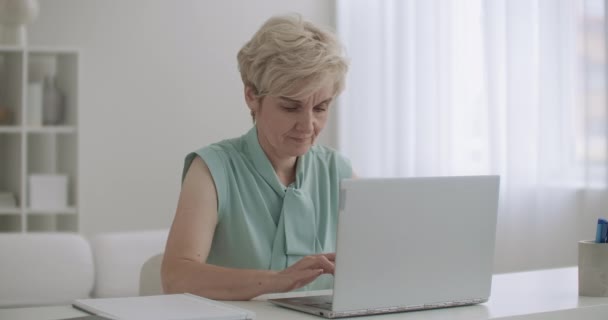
(410, 244)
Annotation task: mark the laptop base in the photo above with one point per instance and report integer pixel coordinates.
(311, 305)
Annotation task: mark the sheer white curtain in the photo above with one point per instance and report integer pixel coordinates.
(509, 87)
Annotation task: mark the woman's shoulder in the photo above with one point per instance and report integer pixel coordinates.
(216, 155)
(225, 148)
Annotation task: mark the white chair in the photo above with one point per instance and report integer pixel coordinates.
(44, 268)
(150, 282)
(119, 258)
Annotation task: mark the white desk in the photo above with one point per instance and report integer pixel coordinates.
(534, 295)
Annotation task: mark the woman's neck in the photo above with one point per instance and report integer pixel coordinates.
(284, 167)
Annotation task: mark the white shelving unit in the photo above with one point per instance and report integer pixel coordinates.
(38, 149)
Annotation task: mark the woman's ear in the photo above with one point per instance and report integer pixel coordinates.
(251, 99)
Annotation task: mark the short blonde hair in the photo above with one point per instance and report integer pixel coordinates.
(291, 57)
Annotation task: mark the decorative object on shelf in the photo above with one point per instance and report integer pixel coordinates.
(8, 200)
(34, 104)
(53, 102)
(14, 15)
(5, 116)
(48, 192)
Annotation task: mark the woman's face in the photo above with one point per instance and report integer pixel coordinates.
(288, 127)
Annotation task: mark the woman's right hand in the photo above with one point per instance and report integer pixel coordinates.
(305, 271)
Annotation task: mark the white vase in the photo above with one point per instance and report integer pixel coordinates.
(14, 15)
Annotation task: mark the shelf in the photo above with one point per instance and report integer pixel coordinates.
(10, 129)
(42, 129)
(51, 129)
(39, 49)
(5, 48)
(68, 210)
(9, 210)
(52, 50)
(27, 146)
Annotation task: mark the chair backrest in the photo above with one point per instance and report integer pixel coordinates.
(44, 268)
(149, 278)
(119, 258)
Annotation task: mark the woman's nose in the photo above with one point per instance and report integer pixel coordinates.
(306, 122)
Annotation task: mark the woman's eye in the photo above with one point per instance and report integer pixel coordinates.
(290, 108)
(321, 108)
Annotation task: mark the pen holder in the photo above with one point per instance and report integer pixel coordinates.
(592, 269)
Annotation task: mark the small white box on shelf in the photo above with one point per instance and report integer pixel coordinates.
(48, 192)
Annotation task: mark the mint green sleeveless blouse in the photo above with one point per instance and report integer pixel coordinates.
(263, 224)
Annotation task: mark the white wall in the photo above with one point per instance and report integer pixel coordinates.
(159, 80)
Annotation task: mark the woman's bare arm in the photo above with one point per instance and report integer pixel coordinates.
(184, 267)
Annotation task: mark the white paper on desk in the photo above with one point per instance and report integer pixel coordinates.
(174, 306)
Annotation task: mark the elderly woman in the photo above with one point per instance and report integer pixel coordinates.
(257, 214)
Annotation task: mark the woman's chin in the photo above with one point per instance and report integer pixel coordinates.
(297, 151)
